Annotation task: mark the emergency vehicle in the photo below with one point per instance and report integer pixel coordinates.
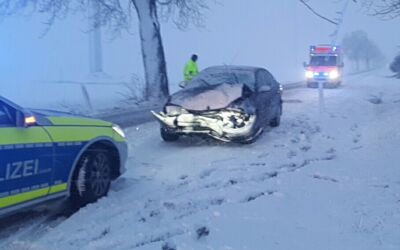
(325, 66)
(45, 155)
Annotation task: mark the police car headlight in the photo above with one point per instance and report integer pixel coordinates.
(334, 74)
(118, 130)
(309, 74)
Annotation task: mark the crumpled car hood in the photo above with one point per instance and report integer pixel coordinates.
(208, 97)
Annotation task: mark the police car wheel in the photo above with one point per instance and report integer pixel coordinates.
(93, 177)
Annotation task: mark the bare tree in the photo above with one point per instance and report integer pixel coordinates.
(386, 9)
(395, 66)
(183, 13)
(117, 16)
(359, 48)
(309, 7)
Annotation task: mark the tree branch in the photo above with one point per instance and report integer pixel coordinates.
(317, 14)
(183, 12)
(385, 9)
(164, 3)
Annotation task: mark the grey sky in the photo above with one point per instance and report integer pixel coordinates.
(271, 33)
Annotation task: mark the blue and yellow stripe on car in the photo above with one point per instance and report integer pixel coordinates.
(31, 195)
(61, 140)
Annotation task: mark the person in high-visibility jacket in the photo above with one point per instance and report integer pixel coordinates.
(191, 68)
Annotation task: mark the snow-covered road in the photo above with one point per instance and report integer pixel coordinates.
(319, 181)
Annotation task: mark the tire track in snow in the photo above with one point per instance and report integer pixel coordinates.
(214, 186)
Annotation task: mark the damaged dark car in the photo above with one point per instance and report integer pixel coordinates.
(228, 103)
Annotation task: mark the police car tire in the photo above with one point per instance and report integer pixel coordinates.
(92, 178)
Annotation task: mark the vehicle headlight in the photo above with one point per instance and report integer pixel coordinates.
(119, 130)
(334, 74)
(309, 74)
(174, 110)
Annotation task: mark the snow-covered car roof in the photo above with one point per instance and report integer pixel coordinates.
(215, 87)
(228, 74)
(221, 68)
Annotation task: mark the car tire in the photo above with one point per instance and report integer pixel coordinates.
(168, 136)
(256, 131)
(311, 85)
(277, 119)
(92, 177)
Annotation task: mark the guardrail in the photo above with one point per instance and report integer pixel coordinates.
(127, 118)
(293, 85)
(85, 93)
(137, 115)
(132, 116)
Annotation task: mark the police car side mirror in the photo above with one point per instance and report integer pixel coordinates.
(305, 65)
(20, 119)
(24, 120)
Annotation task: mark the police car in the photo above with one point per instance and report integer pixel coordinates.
(46, 155)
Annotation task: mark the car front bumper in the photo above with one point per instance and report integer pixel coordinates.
(123, 155)
(225, 125)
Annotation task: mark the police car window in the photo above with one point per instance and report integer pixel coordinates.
(4, 116)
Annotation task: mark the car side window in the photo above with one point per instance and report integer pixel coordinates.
(5, 116)
(265, 79)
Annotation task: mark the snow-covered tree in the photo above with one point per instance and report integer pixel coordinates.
(315, 12)
(359, 48)
(395, 66)
(117, 16)
(372, 56)
(182, 12)
(386, 9)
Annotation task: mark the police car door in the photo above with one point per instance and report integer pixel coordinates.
(26, 161)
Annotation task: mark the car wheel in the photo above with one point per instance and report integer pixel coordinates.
(338, 84)
(168, 136)
(255, 132)
(92, 178)
(310, 85)
(330, 85)
(277, 119)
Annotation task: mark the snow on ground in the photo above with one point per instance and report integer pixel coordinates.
(319, 181)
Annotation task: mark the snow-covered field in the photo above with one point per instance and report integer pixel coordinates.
(319, 181)
(67, 97)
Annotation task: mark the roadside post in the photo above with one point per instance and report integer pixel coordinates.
(321, 96)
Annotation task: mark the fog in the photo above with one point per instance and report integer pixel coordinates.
(273, 34)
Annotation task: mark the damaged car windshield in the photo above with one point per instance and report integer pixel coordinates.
(216, 78)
